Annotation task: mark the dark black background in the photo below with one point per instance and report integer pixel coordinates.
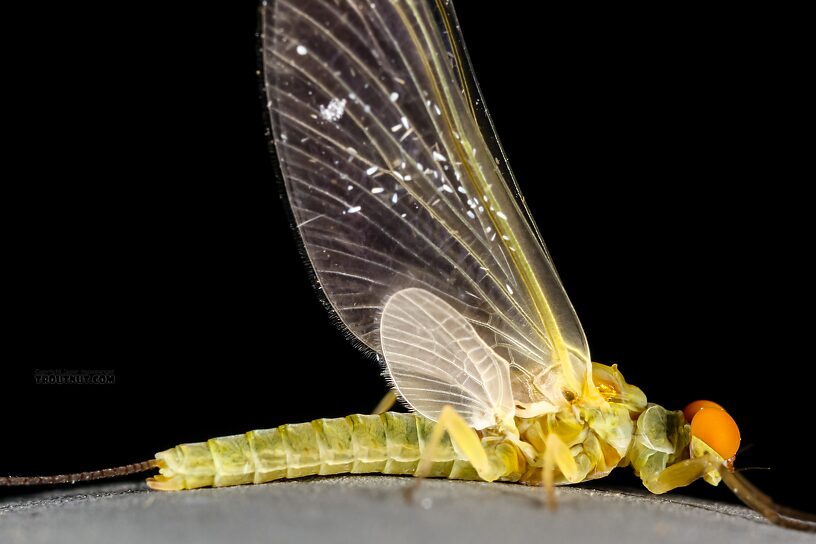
(663, 155)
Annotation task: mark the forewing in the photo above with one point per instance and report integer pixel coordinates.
(393, 185)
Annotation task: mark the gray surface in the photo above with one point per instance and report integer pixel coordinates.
(374, 509)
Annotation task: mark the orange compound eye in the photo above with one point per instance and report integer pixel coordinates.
(691, 410)
(718, 430)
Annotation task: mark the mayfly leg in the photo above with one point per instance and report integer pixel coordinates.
(762, 503)
(680, 474)
(463, 436)
(387, 402)
(557, 454)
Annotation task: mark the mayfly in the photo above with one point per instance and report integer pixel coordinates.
(424, 249)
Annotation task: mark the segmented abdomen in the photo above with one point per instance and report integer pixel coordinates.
(389, 443)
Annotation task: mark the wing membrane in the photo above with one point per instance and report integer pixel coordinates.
(435, 357)
(393, 185)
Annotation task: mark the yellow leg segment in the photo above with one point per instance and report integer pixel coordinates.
(680, 474)
(387, 402)
(465, 438)
(557, 454)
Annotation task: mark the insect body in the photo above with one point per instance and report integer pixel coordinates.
(427, 254)
(585, 443)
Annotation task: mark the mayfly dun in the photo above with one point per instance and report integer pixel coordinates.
(421, 244)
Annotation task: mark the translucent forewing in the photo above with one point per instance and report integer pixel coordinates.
(394, 186)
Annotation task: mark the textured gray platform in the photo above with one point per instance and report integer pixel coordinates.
(373, 509)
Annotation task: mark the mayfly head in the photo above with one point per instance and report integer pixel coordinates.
(714, 433)
(712, 425)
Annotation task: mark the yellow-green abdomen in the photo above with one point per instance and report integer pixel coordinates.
(388, 443)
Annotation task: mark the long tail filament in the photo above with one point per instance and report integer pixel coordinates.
(79, 476)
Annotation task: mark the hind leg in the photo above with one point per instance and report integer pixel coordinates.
(387, 402)
(465, 439)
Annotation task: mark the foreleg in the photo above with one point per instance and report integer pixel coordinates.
(679, 474)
